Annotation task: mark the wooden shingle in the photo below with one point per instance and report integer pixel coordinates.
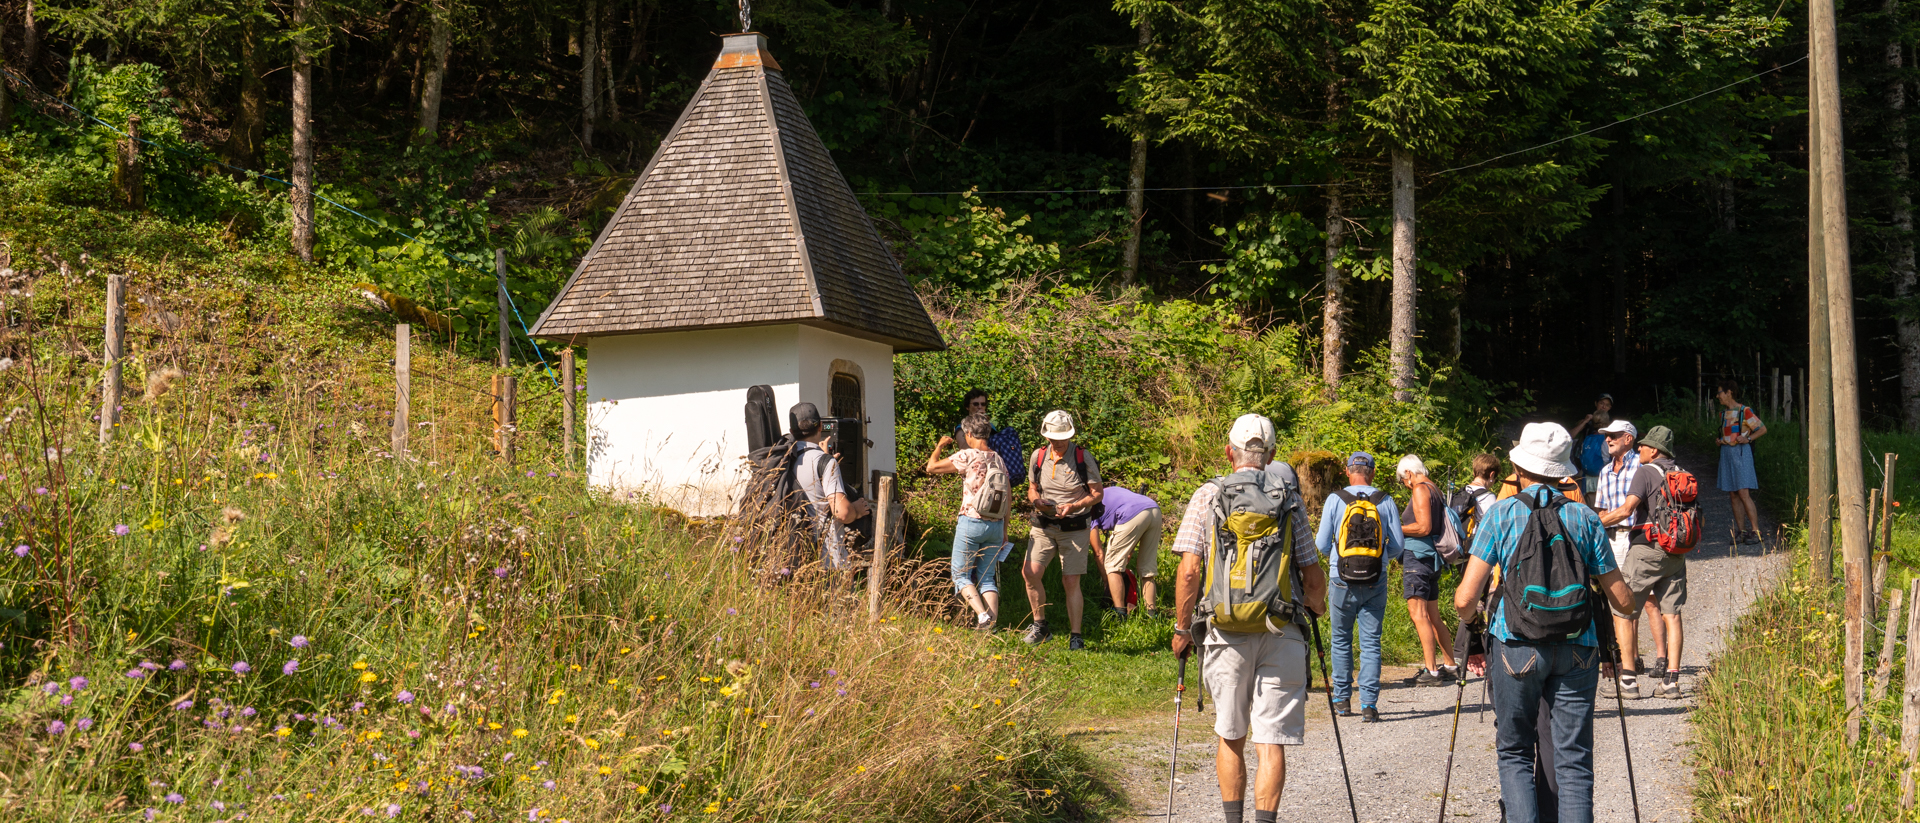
(741, 218)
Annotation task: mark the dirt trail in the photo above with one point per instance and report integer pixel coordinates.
(1397, 765)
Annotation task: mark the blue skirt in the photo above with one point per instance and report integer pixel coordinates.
(1736, 468)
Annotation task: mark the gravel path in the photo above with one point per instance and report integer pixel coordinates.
(1397, 765)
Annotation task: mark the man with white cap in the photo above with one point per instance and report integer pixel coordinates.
(1258, 678)
(1064, 490)
(1522, 537)
(1610, 501)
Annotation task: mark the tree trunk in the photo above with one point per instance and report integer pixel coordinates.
(589, 66)
(302, 137)
(250, 122)
(1136, 187)
(30, 44)
(435, 74)
(6, 100)
(636, 50)
(1333, 313)
(1900, 251)
(611, 91)
(1405, 286)
(1619, 276)
(401, 34)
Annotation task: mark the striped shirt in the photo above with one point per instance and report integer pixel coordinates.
(1612, 493)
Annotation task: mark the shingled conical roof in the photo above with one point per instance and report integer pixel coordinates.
(740, 219)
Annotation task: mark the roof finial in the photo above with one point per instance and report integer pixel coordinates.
(746, 15)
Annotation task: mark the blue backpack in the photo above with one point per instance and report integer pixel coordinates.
(1593, 453)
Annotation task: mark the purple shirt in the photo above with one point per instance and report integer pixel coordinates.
(1121, 506)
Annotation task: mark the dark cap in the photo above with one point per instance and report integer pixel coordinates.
(804, 420)
(1360, 460)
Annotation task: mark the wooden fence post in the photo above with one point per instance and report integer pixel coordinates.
(882, 521)
(504, 386)
(402, 385)
(1888, 641)
(1773, 383)
(1910, 711)
(1886, 505)
(116, 329)
(566, 403)
(126, 172)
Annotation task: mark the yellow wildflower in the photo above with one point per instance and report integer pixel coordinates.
(373, 735)
(493, 726)
(573, 718)
(605, 770)
(519, 732)
(642, 790)
(359, 665)
(369, 677)
(999, 757)
(859, 770)
(713, 807)
(625, 650)
(592, 743)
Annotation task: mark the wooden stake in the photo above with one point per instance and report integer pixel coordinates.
(504, 389)
(1910, 709)
(127, 176)
(566, 404)
(402, 385)
(1888, 640)
(1774, 382)
(500, 296)
(882, 523)
(116, 329)
(1886, 504)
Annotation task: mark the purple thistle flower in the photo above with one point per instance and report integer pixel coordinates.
(547, 785)
(135, 747)
(840, 692)
(78, 684)
(136, 673)
(151, 814)
(666, 808)
(66, 700)
(248, 712)
(299, 641)
(241, 667)
(56, 727)
(40, 490)
(52, 688)
(174, 797)
(121, 530)
(21, 550)
(404, 696)
(814, 685)
(83, 724)
(217, 806)
(393, 810)
(500, 572)
(290, 667)
(176, 665)
(534, 813)
(183, 705)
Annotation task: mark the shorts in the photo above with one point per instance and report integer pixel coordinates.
(1259, 685)
(1620, 539)
(1137, 540)
(1072, 547)
(1419, 579)
(1652, 573)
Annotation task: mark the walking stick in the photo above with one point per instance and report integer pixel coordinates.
(1321, 648)
(1603, 625)
(1173, 758)
(1460, 648)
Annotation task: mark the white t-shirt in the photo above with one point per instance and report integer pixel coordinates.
(819, 477)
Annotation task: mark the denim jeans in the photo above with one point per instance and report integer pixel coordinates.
(1564, 676)
(1366, 606)
(976, 547)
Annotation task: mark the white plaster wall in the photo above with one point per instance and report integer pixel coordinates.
(665, 417)
(818, 349)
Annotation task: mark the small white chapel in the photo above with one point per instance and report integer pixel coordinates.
(739, 258)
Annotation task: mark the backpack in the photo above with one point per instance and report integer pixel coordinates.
(1078, 521)
(763, 422)
(1673, 513)
(1249, 575)
(1593, 454)
(1361, 546)
(1006, 443)
(994, 498)
(1544, 581)
(1452, 543)
(1466, 507)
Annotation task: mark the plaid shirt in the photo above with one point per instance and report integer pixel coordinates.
(1612, 493)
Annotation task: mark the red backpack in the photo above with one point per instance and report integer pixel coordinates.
(1673, 520)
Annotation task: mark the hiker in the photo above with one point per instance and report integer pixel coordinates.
(986, 495)
(1739, 427)
(1420, 567)
(1254, 662)
(1591, 451)
(1656, 577)
(818, 475)
(1610, 500)
(1472, 502)
(1134, 521)
(1001, 440)
(1358, 545)
(1064, 492)
(1543, 646)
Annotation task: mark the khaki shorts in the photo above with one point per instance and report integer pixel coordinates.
(1651, 573)
(1259, 685)
(1072, 547)
(1137, 540)
(1620, 540)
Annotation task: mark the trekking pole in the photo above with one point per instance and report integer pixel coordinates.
(1173, 758)
(1460, 648)
(1321, 648)
(1603, 626)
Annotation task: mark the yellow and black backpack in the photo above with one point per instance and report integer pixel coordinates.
(1360, 549)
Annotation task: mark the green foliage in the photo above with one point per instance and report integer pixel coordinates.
(959, 241)
(1270, 256)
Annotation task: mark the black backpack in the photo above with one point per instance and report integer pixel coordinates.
(763, 421)
(1544, 581)
(1465, 503)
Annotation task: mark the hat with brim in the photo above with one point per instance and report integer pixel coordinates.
(1058, 425)
(1660, 439)
(1544, 451)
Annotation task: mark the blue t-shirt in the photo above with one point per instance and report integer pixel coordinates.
(1499, 534)
(1336, 510)
(1121, 506)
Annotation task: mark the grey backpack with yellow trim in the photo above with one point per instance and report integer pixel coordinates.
(1249, 582)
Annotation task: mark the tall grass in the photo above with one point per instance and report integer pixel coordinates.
(245, 604)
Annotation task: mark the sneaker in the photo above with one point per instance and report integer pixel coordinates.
(1629, 687)
(983, 621)
(1450, 673)
(1342, 708)
(1117, 614)
(1074, 643)
(1670, 687)
(1037, 634)
(1369, 714)
(1607, 688)
(1659, 665)
(1426, 678)
(1750, 538)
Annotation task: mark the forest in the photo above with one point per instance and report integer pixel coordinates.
(1616, 187)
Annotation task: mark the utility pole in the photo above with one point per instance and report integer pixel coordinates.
(1819, 416)
(1854, 545)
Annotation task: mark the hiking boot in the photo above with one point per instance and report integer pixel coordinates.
(1369, 714)
(1074, 643)
(1659, 665)
(1608, 690)
(1037, 634)
(1342, 708)
(1750, 538)
(1117, 614)
(1426, 678)
(1670, 687)
(1630, 687)
(983, 622)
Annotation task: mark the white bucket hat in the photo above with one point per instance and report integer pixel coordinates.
(1058, 425)
(1543, 450)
